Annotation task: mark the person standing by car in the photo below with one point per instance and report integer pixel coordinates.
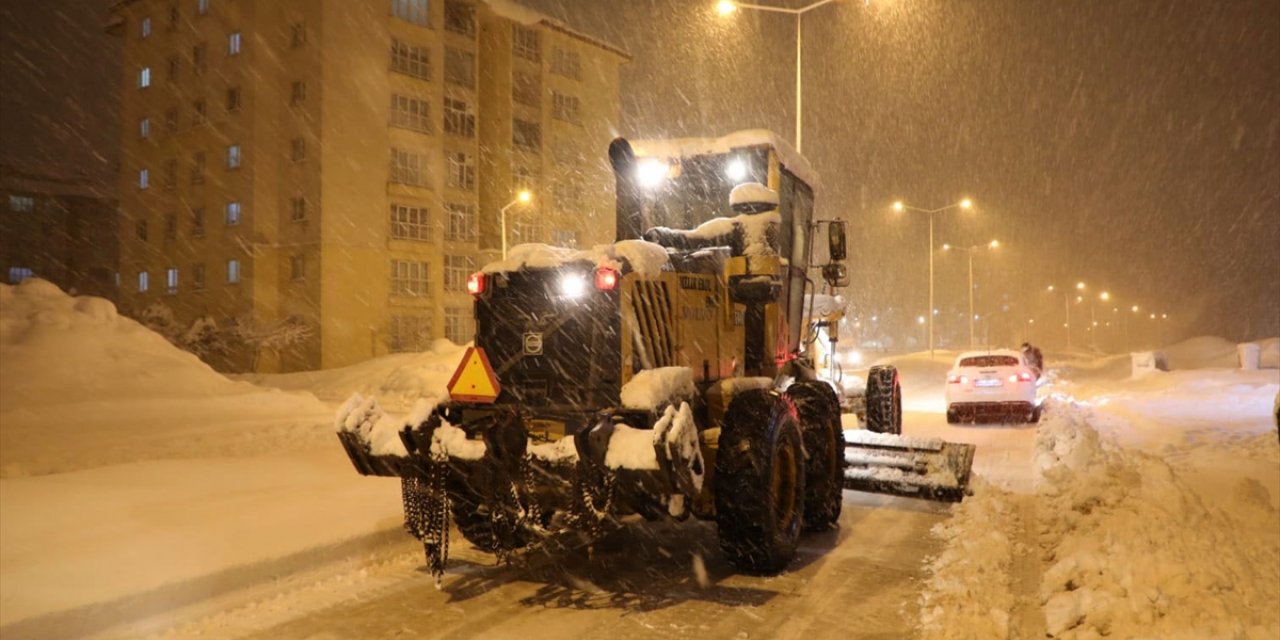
(1033, 357)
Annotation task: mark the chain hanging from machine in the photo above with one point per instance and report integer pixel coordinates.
(435, 516)
(591, 500)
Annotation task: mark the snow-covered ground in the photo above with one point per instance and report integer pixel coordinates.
(143, 494)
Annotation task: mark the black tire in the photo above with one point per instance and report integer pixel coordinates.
(818, 411)
(759, 490)
(1036, 412)
(953, 416)
(884, 400)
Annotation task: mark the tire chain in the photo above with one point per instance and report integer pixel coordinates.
(426, 513)
(589, 514)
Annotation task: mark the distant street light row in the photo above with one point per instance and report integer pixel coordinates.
(1104, 296)
(963, 204)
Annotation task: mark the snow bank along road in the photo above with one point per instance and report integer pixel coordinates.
(1138, 508)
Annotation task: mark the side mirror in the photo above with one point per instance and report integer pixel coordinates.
(836, 249)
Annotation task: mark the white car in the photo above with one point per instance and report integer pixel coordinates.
(998, 384)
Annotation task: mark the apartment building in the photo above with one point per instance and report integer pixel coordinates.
(342, 163)
(59, 224)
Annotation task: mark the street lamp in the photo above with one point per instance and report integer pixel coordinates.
(994, 244)
(1066, 304)
(727, 7)
(900, 207)
(524, 196)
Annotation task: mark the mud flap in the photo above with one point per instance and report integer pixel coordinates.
(930, 469)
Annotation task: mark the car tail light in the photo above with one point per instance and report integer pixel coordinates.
(1023, 377)
(606, 279)
(957, 379)
(476, 283)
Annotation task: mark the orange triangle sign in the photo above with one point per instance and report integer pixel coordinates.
(474, 380)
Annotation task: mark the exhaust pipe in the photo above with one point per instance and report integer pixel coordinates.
(630, 216)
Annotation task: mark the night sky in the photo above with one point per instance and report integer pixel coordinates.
(1132, 145)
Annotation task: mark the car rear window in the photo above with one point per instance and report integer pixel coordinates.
(989, 361)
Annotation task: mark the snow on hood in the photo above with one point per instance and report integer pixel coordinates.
(824, 304)
(753, 193)
(682, 147)
(637, 256)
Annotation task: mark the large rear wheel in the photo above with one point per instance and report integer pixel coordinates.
(818, 411)
(884, 400)
(760, 477)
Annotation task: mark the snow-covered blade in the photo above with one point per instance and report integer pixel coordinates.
(930, 469)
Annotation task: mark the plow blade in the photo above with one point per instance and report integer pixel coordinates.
(926, 468)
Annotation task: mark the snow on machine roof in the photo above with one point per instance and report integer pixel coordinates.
(683, 147)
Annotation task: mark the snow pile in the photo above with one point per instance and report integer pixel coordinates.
(637, 256)
(969, 591)
(631, 448)
(675, 434)
(753, 193)
(365, 418)
(649, 389)
(1131, 550)
(81, 386)
(398, 380)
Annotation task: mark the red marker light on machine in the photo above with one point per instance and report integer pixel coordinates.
(606, 279)
(476, 283)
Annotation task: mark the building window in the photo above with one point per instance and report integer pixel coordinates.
(18, 274)
(528, 228)
(566, 63)
(171, 119)
(140, 229)
(198, 58)
(175, 65)
(297, 268)
(458, 325)
(174, 17)
(202, 7)
(233, 213)
(462, 170)
(526, 89)
(297, 93)
(144, 77)
(568, 197)
(409, 278)
(408, 333)
(525, 178)
(410, 223)
(526, 43)
(233, 43)
(144, 28)
(233, 271)
(233, 99)
(22, 203)
(526, 135)
(459, 68)
(412, 61)
(413, 11)
(197, 168)
(408, 168)
(144, 178)
(200, 109)
(410, 113)
(298, 149)
(171, 280)
(566, 238)
(171, 227)
(233, 156)
(170, 173)
(459, 120)
(297, 209)
(565, 107)
(197, 276)
(143, 281)
(461, 219)
(456, 271)
(197, 222)
(298, 37)
(460, 17)
(144, 128)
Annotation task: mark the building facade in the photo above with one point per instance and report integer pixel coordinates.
(342, 163)
(59, 225)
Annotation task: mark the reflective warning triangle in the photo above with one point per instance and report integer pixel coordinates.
(474, 381)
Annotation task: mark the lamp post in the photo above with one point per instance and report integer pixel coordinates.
(524, 196)
(900, 207)
(1066, 304)
(727, 7)
(994, 244)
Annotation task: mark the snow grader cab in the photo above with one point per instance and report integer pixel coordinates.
(665, 375)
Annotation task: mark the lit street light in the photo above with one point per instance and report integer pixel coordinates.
(727, 7)
(994, 244)
(900, 207)
(524, 196)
